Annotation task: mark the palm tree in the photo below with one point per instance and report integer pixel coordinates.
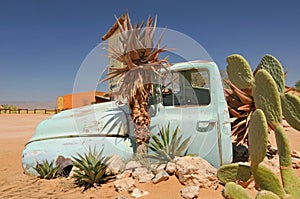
(139, 56)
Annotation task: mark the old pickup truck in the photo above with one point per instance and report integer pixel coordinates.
(189, 96)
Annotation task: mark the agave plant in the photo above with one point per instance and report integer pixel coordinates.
(91, 168)
(167, 145)
(47, 170)
(139, 57)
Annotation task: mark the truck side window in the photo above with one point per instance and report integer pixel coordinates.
(170, 88)
(201, 86)
(190, 87)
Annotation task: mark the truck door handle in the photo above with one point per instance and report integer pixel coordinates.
(205, 125)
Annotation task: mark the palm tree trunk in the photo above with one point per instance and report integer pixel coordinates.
(141, 119)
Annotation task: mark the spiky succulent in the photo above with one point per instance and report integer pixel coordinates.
(91, 168)
(167, 144)
(47, 170)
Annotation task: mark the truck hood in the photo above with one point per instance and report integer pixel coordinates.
(104, 119)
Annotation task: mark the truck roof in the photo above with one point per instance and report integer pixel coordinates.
(190, 65)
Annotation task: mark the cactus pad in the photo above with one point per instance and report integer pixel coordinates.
(273, 66)
(291, 182)
(239, 71)
(235, 191)
(290, 105)
(233, 172)
(266, 195)
(266, 96)
(258, 137)
(267, 180)
(283, 146)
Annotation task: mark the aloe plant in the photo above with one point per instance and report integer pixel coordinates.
(167, 144)
(47, 170)
(91, 168)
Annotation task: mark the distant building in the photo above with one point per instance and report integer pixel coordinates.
(70, 101)
(114, 41)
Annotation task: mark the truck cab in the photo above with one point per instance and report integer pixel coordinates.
(189, 95)
(193, 99)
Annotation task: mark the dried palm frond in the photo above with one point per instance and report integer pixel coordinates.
(138, 55)
(241, 106)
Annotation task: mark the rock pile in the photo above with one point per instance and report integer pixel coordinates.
(193, 172)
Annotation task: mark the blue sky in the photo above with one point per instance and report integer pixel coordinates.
(44, 42)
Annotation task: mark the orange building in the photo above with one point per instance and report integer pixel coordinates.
(75, 100)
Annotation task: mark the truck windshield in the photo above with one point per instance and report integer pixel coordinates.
(190, 87)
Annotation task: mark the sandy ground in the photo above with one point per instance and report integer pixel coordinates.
(16, 130)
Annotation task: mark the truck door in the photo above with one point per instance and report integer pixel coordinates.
(188, 102)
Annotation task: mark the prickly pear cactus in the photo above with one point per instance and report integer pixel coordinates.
(258, 137)
(291, 182)
(239, 71)
(235, 191)
(290, 179)
(273, 66)
(266, 96)
(266, 195)
(233, 172)
(291, 109)
(270, 102)
(267, 180)
(283, 146)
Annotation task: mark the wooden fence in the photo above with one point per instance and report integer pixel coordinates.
(28, 111)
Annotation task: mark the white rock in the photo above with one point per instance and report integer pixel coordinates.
(124, 174)
(161, 167)
(190, 192)
(131, 165)
(143, 175)
(146, 178)
(162, 175)
(170, 168)
(125, 184)
(115, 165)
(139, 171)
(137, 193)
(195, 171)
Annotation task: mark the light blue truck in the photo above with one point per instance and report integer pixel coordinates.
(189, 95)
